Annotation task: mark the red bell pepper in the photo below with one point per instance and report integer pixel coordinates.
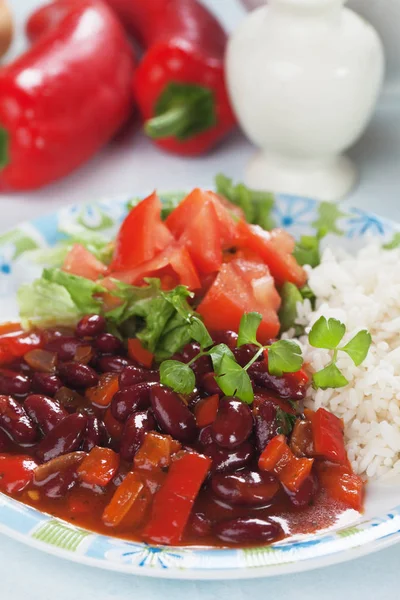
(15, 343)
(341, 484)
(137, 352)
(328, 436)
(174, 501)
(99, 466)
(180, 83)
(16, 472)
(124, 498)
(206, 410)
(277, 458)
(65, 97)
(154, 453)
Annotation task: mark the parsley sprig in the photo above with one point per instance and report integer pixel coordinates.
(327, 334)
(284, 356)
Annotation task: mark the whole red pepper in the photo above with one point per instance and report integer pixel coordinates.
(67, 96)
(179, 85)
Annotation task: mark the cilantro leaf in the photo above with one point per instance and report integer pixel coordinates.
(328, 214)
(286, 421)
(357, 348)
(217, 353)
(329, 377)
(394, 243)
(178, 376)
(326, 333)
(234, 381)
(284, 356)
(306, 251)
(198, 332)
(249, 324)
(290, 296)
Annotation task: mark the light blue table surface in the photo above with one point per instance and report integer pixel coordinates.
(133, 165)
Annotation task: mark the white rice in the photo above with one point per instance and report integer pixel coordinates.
(362, 291)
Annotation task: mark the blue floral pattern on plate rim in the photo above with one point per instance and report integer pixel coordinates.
(57, 537)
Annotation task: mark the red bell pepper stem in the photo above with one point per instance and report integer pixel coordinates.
(180, 83)
(66, 96)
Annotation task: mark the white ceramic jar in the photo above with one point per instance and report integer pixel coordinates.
(304, 76)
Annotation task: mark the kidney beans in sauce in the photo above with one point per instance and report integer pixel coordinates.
(209, 384)
(90, 326)
(285, 387)
(65, 347)
(233, 424)
(77, 375)
(64, 438)
(95, 434)
(114, 364)
(134, 431)
(131, 399)
(4, 441)
(45, 412)
(107, 343)
(59, 484)
(200, 524)
(265, 423)
(248, 530)
(226, 337)
(14, 384)
(172, 415)
(304, 496)
(245, 353)
(44, 383)
(225, 461)
(15, 421)
(246, 487)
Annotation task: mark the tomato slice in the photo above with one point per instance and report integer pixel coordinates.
(258, 277)
(79, 261)
(142, 235)
(275, 249)
(203, 241)
(230, 296)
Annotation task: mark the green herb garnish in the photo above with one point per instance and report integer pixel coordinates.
(327, 334)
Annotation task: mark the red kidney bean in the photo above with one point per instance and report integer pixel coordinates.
(108, 343)
(64, 438)
(205, 436)
(20, 366)
(304, 496)
(225, 461)
(200, 525)
(245, 353)
(266, 426)
(90, 325)
(172, 415)
(45, 412)
(131, 399)
(115, 364)
(4, 441)
(57, 465)
(135, 428)
(209, 385)
(132, 374)
(65, 347)
(190, 351)
(43, 383)
(250, 488)
(95, 434)
(59, 484)
(15, 421)
(248, 530)
(233, 424)
(201, 366)
(285, 387)
(226, 337)
(77, 375)
(14, 384)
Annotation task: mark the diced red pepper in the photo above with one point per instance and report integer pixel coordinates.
(341, 484)
(114, 427)
(137, 352)
(101, 394)
(206, 410)
(16, 472)
(79, 261)
(154, 453)
(14, 344)
(291, 471)
(174, 501)
(123, 499)
(99, 467)
(328, 436)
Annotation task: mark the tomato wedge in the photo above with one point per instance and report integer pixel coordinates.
(142, 235)
(202, 239)
(275, 249)
(79, 261)
(230, 296)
